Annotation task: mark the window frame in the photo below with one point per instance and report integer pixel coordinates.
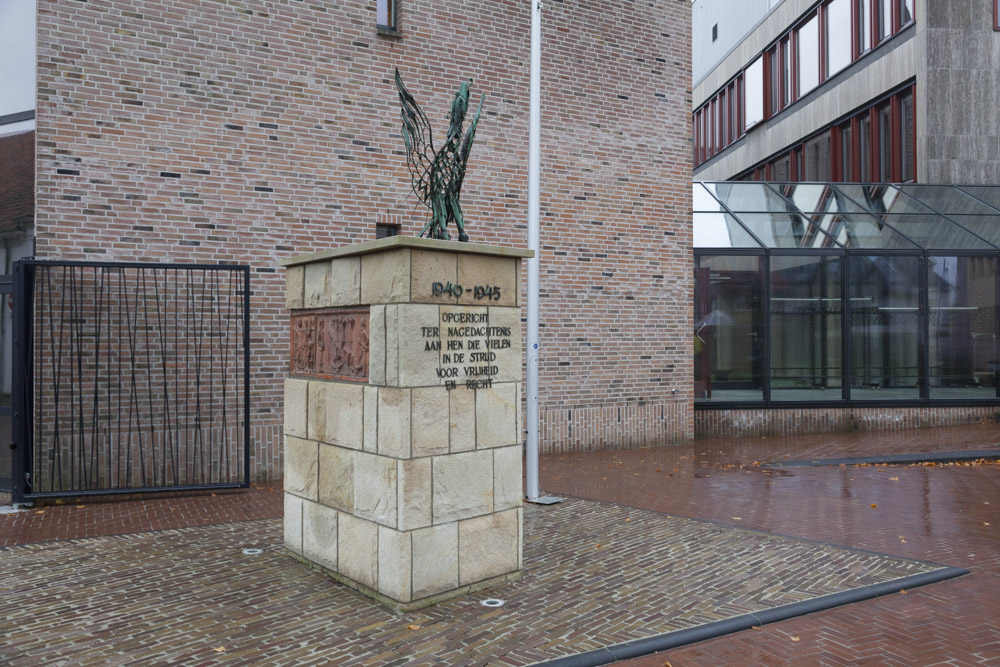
(392, 13)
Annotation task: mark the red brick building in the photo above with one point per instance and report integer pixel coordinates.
(252, 131)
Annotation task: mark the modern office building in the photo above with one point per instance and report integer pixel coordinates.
(847, 91)
(827, 298)
(248, 132)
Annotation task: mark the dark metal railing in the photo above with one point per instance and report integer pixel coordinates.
(130, 377)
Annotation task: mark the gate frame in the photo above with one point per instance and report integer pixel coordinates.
(22, 380)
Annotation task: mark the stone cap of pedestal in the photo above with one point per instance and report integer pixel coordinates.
(394, 242)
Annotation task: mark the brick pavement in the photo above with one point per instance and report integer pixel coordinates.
(949, 514)
(596, 574)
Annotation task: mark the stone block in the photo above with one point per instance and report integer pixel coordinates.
(394, 564)
(294, 287)
(301, 467)
(419, 355)
(487, 546)
(317, 411)
(376, 345)
(385, 277)
(429, 267)
(345, 281)
(429, 421)
(336, 477)
(507, 478)
(317, 285)
(463, 485)
(296, 407)
(345, 414)
(292, 523)
(394, 422)
(461, 419)
(375, 488)
(485, 271)
(319, 534)
(496, 415)
(519, 410)
(392, 346)
(435, 560)
(357, 550)
(506, 348)
(520, 538)
(371, 419)
(414, 502)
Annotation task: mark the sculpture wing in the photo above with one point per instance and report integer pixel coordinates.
(466, 146)
(419, 141)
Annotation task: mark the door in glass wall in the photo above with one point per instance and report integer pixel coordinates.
(729, 328)
(806, 311)
(962, 344)
(885, 327)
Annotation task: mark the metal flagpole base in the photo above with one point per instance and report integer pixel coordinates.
(545, 500)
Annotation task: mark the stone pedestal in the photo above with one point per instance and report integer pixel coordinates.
(403, 417)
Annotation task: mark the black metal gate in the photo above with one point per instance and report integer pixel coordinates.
(129, 377)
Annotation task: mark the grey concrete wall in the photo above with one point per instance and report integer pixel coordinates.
(735, 20)
(958, 93)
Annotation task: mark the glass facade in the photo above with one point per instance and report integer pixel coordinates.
(822, 294)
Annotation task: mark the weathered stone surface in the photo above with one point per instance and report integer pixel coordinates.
(496, 416)
(508, 359)
(507, 478)
(319, 534)
(414, 479)
(419, 356)
(461, 419)
(357, 549)
(345, 281)
(394, 422)
(345, 414)
(317, 411)
(376, 345)
(487, 546)
(336, 477)
(293, 523)
(429, 267)
(435, 559)
(301, 467)
(371, 419)
(429, 427)
(385, 277)
(317, 285)
(392, 346)
(520, 537)
(375, 488)
(394, 564)
(519, 412)
(463, 485)
(485, 271)
(294, 286)
(296, 407)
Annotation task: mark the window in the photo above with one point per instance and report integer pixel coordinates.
(908, 135)
(883, 18)
(863, 26)
(838, 36)
(905, 9)
(754, 94)
(715, 32)
(886, 143)
(385, 14)
(385, 230)
(816, 158)
(808, 62)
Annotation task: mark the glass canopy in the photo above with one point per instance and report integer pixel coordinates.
(817, 294)
(843, 216)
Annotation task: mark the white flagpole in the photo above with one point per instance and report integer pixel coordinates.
(534, 178)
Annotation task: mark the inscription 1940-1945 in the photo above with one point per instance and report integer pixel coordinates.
(467, 343)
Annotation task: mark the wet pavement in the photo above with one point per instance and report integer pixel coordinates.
(599, 573)
(945, 513)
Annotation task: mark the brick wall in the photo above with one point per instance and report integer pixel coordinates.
(797, 421)
(252, 131)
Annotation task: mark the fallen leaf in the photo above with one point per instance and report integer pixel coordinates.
(627, 520)
(597, 546)
(413, 627)
(794, 639)
(737, 518)
(985, 523)
(39, 511)
(874, 505)
(666, 663)
(755, 627)
(902, 591)
(657, 470)
(221, 649)
(80, 507)
(903, 540)
(893, 479)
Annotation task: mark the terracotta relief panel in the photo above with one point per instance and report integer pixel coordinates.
(331, 344)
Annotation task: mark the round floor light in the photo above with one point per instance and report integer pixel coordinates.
(492, 602)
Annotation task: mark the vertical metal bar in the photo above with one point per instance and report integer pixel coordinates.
(21, 482)
(246, 375)
(923, 327)
(765, 346)
(846, 372)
